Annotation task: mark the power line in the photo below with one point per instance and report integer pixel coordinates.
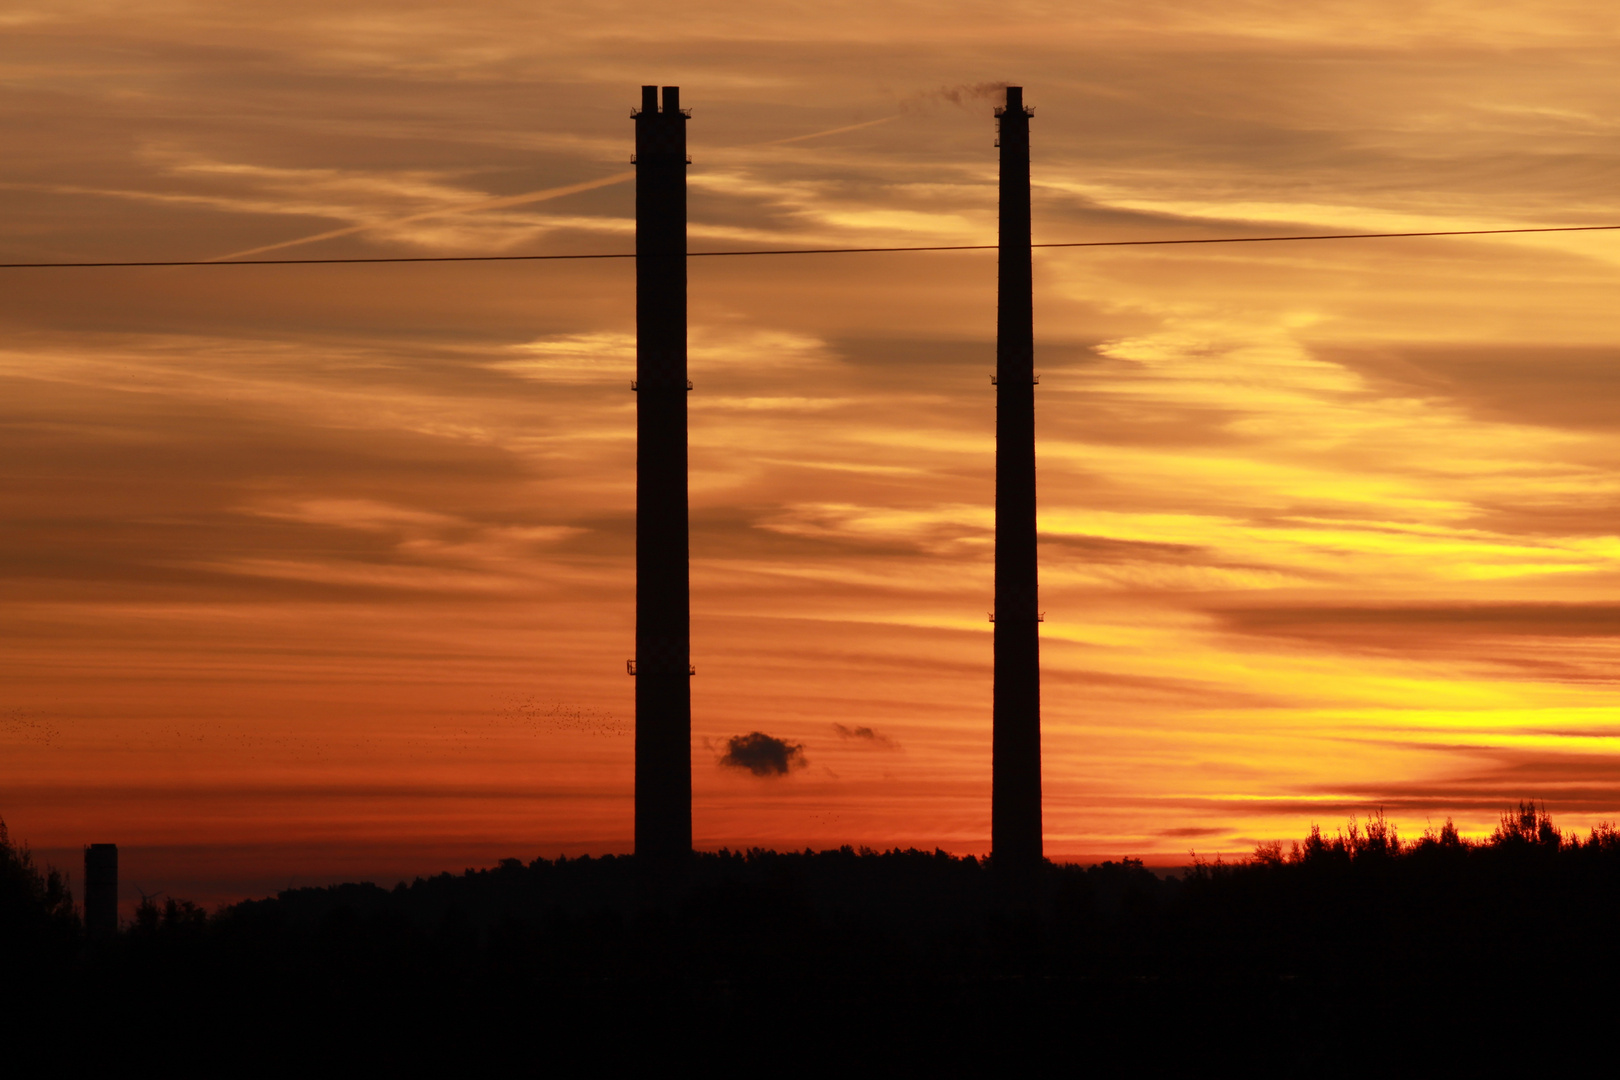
(792, 251)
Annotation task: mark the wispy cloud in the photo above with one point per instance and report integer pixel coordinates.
(866, 735)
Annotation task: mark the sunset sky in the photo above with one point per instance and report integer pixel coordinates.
(326, 573)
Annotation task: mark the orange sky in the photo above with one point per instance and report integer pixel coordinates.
(323, 573)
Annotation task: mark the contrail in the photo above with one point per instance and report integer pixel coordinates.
(487, 204)
(830, 131)
(515, 200)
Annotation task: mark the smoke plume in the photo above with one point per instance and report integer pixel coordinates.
(962, 95)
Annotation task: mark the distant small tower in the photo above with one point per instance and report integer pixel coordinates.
(101, 890)
(1015, 799)
(663, 578)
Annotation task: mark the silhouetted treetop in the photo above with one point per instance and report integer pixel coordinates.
(37, 918)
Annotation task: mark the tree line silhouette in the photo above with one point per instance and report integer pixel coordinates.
(908, 951)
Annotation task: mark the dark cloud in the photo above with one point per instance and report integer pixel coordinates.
(1192, 830)
(1552, 385)
(1547, 642)
(1103, 549)
(1485, 781)
(763, 755)
(1115, 686)
(866, 734)
(1567, 782)
(1403, 625)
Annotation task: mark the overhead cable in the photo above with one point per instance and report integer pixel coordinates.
(368, 259)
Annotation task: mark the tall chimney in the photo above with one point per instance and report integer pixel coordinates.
(101, 890)
(663, 604)
(1015, 808)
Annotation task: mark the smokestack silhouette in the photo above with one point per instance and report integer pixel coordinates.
(101, 890)
(1015, 802)
(663, 585)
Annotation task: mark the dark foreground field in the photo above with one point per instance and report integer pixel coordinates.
(1341, 955)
